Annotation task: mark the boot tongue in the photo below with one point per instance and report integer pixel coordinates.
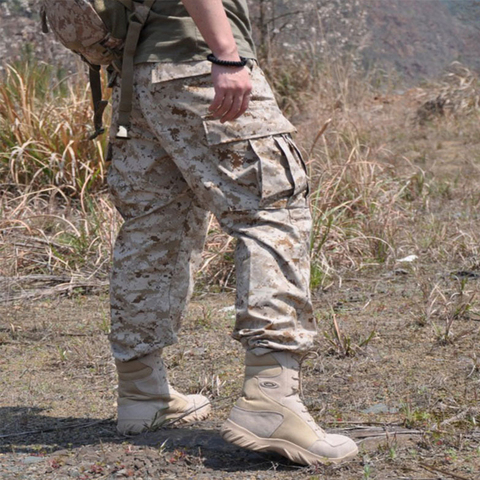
(290, 364)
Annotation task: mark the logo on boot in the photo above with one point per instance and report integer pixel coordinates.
(269, 385)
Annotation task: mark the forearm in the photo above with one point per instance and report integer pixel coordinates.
(232, 85)
(210, 18)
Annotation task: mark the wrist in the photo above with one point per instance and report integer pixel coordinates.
(229, 53)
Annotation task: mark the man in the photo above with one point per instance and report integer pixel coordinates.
(207, 136)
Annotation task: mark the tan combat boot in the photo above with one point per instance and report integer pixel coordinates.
(270, 416)
(146, 400)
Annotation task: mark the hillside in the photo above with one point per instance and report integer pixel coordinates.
(417, 38)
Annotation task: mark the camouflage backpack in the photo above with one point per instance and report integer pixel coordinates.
(102, 32)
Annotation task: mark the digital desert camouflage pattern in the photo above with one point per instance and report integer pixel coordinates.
(78, 26)
(179, 165)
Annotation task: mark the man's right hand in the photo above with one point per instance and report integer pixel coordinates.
(232, 92)
(232, 85)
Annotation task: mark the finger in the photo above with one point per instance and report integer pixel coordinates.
(234, 109)
(217, 101)
(244, 107)
(224, 107)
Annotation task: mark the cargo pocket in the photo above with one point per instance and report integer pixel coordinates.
(260, 120)
(271, 154)
(282, 177)
(296, 163)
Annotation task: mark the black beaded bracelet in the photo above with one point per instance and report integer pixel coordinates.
(227, 63)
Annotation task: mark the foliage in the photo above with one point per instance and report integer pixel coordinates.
(364, 194)
(341, 343)
(44, 117)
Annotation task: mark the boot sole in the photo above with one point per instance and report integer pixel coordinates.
(233, 433)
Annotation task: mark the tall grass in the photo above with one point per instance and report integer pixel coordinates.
(44, 235)
(371, 203)
(53, 217)
(354, 205)
(44, 120)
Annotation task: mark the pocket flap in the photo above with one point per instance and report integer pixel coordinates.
(262, 119)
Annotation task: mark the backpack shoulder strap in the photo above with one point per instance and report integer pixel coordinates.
(136, 23)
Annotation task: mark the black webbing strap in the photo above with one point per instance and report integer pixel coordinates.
(136, 22)
(43, 18)
(98, 103)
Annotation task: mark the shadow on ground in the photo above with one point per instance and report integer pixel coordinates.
(28, 430)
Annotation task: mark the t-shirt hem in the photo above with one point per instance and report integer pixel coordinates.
(156, 58)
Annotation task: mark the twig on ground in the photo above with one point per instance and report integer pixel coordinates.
(443, 472)
(459, 416)
(39, 293)
(37, 278)
(54, 429)
(360, 422)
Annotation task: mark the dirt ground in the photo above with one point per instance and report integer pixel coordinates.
(396, 365)
(409, 400)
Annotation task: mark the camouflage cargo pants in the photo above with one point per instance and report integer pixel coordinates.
(178, 166)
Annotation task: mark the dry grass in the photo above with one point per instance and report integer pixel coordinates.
(44, 121)
(376, 185)
(400, 331)
(47, 240)
(381, 182)
(457, 94)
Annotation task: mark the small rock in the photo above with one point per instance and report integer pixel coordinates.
(408, 259)
(32, 460)
(228, 309)
(380, 408)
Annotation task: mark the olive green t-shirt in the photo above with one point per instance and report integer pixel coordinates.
(170, 34)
